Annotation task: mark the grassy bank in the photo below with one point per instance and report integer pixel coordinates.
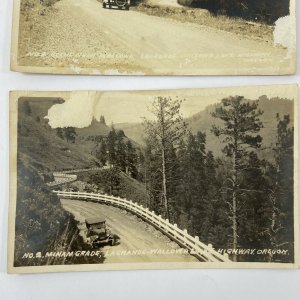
(245, 29)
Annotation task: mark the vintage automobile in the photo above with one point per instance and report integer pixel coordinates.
(120, 4)
(97, 233)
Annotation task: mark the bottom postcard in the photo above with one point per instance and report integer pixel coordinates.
(192, 178)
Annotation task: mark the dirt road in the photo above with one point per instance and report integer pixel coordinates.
(134, 234)
(81, 34)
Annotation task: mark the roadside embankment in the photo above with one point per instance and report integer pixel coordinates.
(249, 30)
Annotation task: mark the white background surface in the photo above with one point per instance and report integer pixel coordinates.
(176, 284)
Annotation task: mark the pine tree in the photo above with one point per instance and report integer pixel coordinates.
(120, 151)
(60, 133)
(254, 186)
(70, 134)
(131, 160)
(101, 153)
(152, 176)
(165, 132)
(280, 211)
(141, 166)
(241, 125)
(110, 144)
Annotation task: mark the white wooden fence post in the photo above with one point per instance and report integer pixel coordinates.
(185, 235)
(152, 214)
(196, 241)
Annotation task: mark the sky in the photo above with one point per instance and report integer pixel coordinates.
(81, 107)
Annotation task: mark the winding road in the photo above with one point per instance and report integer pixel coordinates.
(82, 37)
(134, 234)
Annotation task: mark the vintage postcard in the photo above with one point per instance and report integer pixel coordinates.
(154, 37)
(194, 178)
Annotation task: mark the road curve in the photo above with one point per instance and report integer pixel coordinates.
(134, 234)
(81, 34)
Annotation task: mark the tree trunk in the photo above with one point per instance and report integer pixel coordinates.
(234, 219)
(234, 201)
(163, 155)
(164, 184)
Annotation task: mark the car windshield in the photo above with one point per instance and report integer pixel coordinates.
(98, 225)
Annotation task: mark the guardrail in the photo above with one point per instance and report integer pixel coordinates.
(81, 170)
(68, 176)
(60, 178)
(198, 249)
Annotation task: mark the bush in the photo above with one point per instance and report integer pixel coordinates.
(40, 218)
(29, 4)
(48, 2)
(262, 10)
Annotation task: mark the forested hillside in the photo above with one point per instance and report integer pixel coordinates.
(238, 200)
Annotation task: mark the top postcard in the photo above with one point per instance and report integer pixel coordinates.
(154, 37)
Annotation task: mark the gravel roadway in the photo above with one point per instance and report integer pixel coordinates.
(82, 37)
(134, 234)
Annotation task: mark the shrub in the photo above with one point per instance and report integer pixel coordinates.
(48, 2)
(40, 219)
(262, 10)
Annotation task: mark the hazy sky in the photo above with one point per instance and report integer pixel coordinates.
(129, 107)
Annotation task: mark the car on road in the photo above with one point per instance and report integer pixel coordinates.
(120, 4)
(97, 233)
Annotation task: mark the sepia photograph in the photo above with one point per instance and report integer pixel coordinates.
(158, 179)
(154, 37)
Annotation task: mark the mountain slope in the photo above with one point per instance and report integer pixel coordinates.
(203, 121)
(38, 144)
(134, 131)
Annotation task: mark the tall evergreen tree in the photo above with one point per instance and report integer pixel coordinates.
(279, 209)
(60, 132)
(110, 144)
(70, 134)
(153, 177)
(239, 132)
(101, 153)
(120, 152)
(131, 160)
(165, 131)
(254, 186)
